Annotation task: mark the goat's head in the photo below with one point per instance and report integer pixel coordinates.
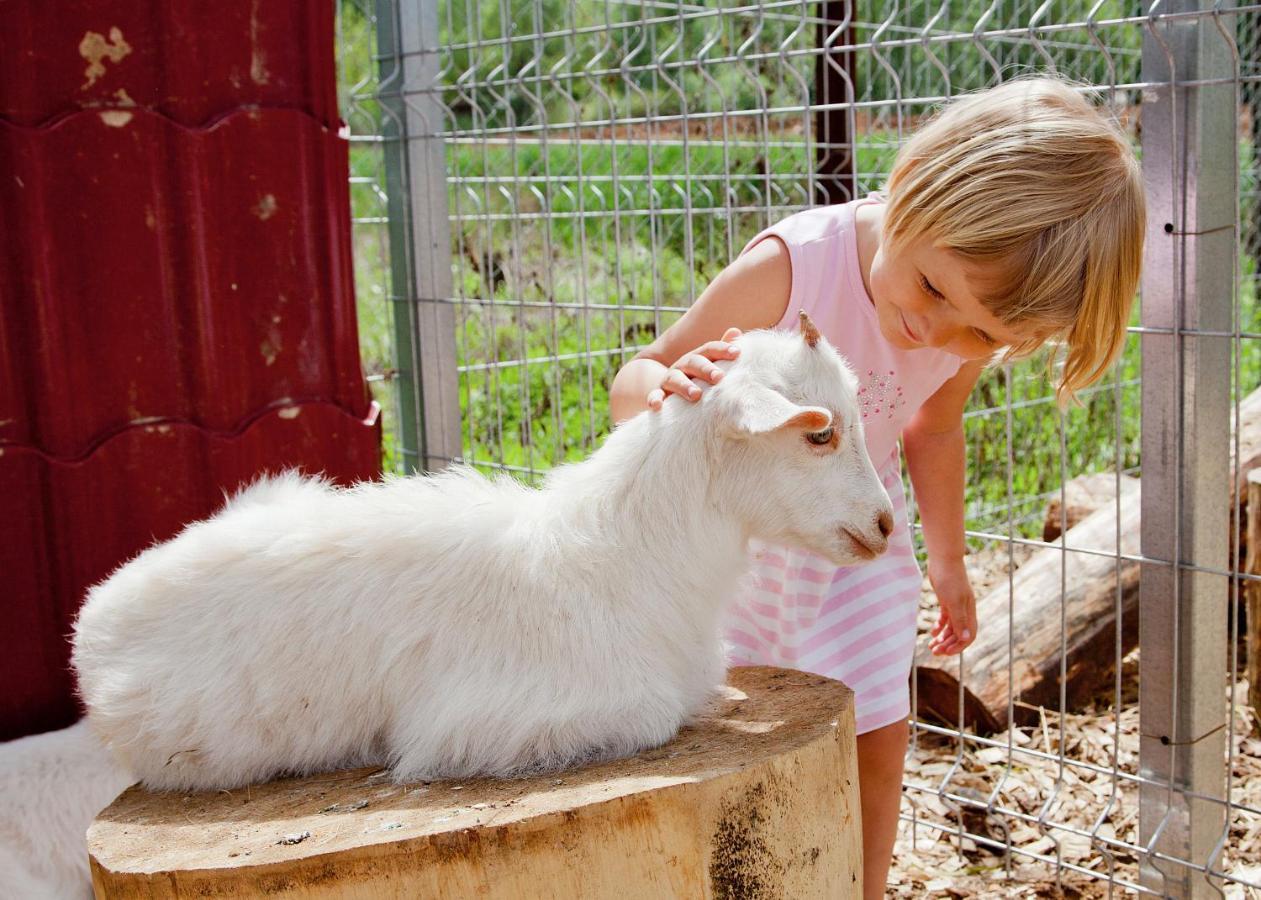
(793, 461)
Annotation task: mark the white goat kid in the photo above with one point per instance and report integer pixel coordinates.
(452, 626)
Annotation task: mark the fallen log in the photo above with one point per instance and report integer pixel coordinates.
(1090, 604)
(1020, 621)
(1082, 496)
(1252, 592)
(1249, 438)
(758, 799)
(1086, 493)
(1250, 458)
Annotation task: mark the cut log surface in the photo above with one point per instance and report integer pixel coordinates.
(757, 799)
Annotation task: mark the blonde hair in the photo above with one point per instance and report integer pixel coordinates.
(1031, 181)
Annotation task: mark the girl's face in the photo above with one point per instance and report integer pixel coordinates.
(924, 298)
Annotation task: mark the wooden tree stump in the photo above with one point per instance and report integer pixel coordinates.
(759, 799)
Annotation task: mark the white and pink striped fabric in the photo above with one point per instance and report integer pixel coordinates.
(852, 623)
(855, 623)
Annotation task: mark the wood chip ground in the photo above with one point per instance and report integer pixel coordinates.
(940, 862)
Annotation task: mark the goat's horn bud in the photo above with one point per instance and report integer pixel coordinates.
(808, 331)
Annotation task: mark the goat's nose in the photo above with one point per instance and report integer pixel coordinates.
(885, 522)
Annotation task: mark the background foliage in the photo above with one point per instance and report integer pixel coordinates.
(606, 160)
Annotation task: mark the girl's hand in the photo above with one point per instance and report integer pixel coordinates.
(698, 363)
(956, 624)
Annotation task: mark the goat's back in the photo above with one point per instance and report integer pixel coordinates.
(269, 630)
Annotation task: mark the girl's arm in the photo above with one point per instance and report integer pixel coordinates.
(750, 293)
(933, 442)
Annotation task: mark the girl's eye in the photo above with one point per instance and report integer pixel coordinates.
(985, 338)
(929, 289)
(820, 438)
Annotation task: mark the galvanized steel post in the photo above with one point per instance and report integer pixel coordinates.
(1189, 165)
(413, 117)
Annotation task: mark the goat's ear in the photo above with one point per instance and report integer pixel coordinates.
(759, 410)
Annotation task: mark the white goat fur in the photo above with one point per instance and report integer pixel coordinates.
(51, 787)
(450, 625)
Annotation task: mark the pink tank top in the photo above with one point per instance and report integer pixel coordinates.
(828, 284)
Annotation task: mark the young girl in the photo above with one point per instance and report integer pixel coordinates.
(1015, 217)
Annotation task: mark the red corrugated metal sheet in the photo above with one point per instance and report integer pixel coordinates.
(191, 62)
(140, 486)
(204, 241)
(177, 296)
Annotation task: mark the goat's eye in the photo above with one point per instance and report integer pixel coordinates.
(820, 437)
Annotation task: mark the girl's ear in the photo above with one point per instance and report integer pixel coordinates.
(757, 409)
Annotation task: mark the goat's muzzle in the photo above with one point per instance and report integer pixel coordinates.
(868, 544)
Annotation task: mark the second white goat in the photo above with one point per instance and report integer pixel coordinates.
(451, 625)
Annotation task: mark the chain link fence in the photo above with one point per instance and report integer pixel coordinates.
(539, 187)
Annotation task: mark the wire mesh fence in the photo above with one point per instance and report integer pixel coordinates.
(540, 187)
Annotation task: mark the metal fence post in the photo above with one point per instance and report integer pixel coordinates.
(420, 239)
(1189, 166)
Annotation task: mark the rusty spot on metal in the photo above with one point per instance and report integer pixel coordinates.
(95, 48)
(270, 348)
(265, 208)
(115, 118)
(258, 60)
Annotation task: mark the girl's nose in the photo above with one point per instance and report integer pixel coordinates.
(936, 332)
(946, 329)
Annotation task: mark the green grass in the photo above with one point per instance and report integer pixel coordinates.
(537, 392)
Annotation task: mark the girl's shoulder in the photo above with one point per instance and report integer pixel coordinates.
(834, 222)
(826, 280)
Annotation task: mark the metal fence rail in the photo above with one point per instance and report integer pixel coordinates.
(541, 186)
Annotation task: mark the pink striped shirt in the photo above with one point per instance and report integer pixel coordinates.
(853, 623)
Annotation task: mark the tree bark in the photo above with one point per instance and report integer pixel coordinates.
(757, 799)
